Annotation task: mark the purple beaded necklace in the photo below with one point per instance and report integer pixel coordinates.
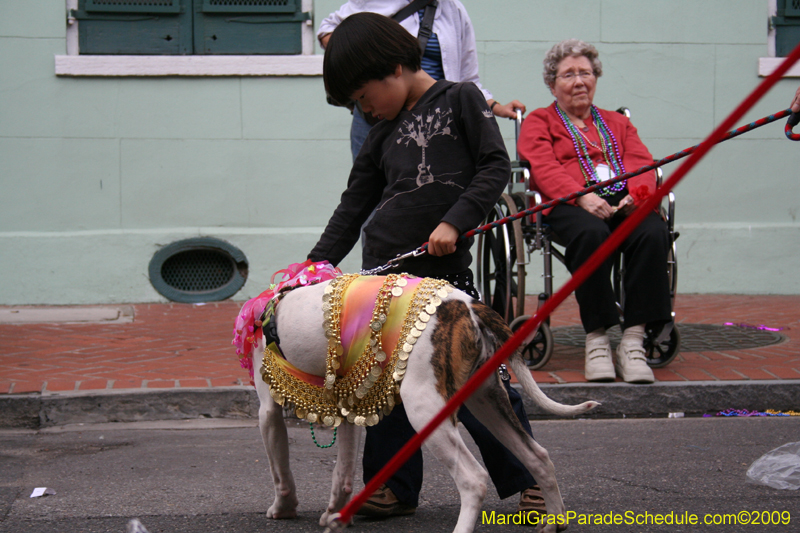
(612, 156)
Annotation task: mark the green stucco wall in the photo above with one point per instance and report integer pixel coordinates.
(96, 174)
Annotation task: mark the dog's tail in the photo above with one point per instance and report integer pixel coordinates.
(500, 333)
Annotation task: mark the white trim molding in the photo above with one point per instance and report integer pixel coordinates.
(190, 65)
(768, 65)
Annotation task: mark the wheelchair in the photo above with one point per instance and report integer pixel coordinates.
(504, 251)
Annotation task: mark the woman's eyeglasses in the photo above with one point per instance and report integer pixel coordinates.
(570, 76)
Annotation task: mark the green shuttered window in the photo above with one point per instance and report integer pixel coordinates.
(787, 27)
(184, 27)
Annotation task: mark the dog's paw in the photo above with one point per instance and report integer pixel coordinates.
(278, 514)
(551, 528)
(283, 508)
(329, 517)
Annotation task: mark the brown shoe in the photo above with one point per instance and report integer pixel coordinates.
(531, 500)
(383, 504)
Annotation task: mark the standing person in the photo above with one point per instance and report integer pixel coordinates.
(430, 170)
(450, 52)
(571, 145)
(796, 101)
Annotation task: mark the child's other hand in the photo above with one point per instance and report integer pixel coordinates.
(443, 239)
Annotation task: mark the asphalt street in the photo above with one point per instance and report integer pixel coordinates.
(213, 476)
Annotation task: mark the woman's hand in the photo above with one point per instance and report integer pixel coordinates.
(626, 206)
(443, 239)
(323, 40)
(595, 205)
(795, 103)
(508, 110)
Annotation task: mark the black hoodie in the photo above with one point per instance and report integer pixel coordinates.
(442, 161)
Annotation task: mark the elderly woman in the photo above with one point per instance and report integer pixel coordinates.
(571, 145)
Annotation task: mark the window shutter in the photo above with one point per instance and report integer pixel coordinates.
(250, 6)
(149, 27)
(133, 6)
(248, 27)
(787, 27)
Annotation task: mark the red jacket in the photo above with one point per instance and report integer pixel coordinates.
(547, 145)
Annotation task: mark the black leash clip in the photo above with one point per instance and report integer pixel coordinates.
(794, 120)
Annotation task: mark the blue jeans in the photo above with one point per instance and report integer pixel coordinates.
(358, 133)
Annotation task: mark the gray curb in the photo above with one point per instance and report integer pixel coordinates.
(660, 399)
(618, 399)
(57, 409)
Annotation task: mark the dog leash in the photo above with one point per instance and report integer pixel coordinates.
(794, 119)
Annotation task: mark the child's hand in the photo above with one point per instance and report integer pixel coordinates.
(443, 239)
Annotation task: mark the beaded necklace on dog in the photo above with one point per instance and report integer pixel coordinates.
(611, 157)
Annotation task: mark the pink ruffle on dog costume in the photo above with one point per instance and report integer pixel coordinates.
(247, 327)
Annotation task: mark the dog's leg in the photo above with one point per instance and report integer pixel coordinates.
(491, 407)
(349, 441)
(422, 402)
(276, 442)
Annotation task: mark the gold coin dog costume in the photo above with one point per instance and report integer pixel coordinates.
(372, 324)
(352, 342)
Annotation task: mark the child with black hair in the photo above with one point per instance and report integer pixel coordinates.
(430, 170)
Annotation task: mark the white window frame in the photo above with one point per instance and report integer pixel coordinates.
(74, 64)
(767, 65)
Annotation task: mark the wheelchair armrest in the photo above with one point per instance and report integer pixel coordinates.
(521, 164)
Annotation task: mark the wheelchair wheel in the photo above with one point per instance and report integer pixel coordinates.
(661, 354)
(501, 262)
(538, 351)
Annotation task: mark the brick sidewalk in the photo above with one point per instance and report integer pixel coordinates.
(182, 345)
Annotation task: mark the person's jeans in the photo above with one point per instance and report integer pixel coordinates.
(358, 133)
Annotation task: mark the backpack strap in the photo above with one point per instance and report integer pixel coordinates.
(426, 25)
(414, 6)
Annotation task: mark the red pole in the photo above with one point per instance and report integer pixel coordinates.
(586, 270)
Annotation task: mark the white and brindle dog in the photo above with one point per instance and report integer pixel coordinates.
(460, 336)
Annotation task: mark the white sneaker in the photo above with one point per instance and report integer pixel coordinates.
(599, 366)
(632, 364)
